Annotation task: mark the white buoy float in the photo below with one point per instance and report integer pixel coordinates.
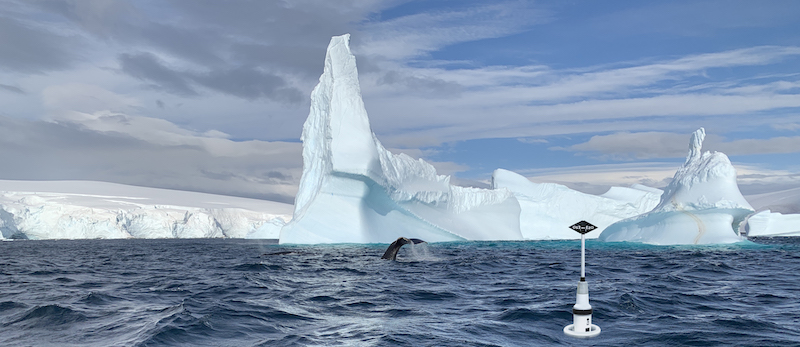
(582, 311)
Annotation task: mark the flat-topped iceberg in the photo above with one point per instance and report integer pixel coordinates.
(702, 205)
(91, 210)
(548, 209)
(353, 190)
(777, 216)
(768, 223)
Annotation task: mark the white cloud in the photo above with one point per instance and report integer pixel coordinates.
(416, 34)
(499, 101)
(649, 145)
(786, 126)
(532, 140)
(596, 179)
(89, 136)
(217, 129)
(85, 98)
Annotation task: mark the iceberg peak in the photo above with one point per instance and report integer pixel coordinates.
(696, 144)
(701, 205)
(353, 190)
(705, 180)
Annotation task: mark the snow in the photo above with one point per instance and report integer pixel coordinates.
(702, 205)
(768, 223)
(548, 209)
(85, 209)
(353, 190)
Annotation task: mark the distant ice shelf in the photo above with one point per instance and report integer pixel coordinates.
(90, 210)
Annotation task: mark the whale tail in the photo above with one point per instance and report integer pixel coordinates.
(391, 252)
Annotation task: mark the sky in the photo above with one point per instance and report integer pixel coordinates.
(211, 96)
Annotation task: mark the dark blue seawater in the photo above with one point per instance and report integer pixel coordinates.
(213, 292)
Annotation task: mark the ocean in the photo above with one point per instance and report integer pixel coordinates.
(232, 292)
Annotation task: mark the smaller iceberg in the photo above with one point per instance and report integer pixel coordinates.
(768, 223)
(702, 205)
(548, 209)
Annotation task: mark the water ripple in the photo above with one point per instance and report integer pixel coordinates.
(250, 293)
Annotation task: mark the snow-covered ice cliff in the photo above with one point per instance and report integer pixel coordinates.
(702, 205)
(548, 209)
(778, 214)
(353, 190)
(768, 223)
(84, 210)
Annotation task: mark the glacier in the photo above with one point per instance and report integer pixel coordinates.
(353, 190)
(548, 209)
(702, 205)
(91, 210)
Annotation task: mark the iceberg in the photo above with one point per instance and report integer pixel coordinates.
(92, 210)
(548, 209)
(768, 223)
(702, 205)
(353, 190)
(777, 216)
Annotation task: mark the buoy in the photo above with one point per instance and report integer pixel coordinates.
(582, 311)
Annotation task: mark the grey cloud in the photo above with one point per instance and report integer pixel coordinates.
(105, 19)
(252, 50)
(630, 146)
(249, 83)
(280, 21)
(126, 23)
(306, 60)
(64, 151)
(424, 86)
(649, 145)
(195, 45)
(268, 34)
(12, 89)
(27, 49)
(758, 146)
(243, 82)
(277, 175)
(147, 67)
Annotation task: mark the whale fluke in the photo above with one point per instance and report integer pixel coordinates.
(391, 252)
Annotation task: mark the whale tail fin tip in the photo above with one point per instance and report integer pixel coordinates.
(391, 252)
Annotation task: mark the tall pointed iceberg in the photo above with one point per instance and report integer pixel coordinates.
(353, 190)
(702, 205)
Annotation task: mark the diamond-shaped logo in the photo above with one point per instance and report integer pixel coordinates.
(583, 227)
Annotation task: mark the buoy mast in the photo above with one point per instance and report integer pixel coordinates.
(582, 311)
